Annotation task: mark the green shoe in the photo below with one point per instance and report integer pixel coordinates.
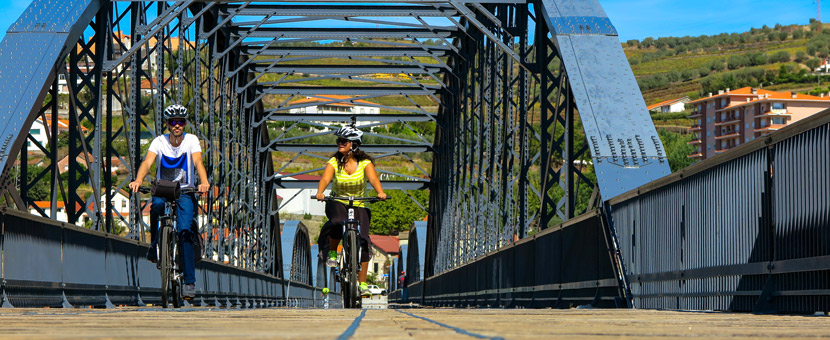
(332, 261)
(364, 289)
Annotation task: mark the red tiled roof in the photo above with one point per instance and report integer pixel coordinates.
(48, 204)
(389, 244)
(747, 91)
(329, 97)
(665, 102)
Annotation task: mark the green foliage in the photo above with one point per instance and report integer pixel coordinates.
(40, 190)
(677, 149)
(397, 212)
(306, 216)
(812, 63)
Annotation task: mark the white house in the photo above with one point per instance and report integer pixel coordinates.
(334, 104)
(671, 105)
(384, 249)
(299, 201)
(60, 213)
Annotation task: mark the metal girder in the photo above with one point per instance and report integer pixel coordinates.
(430, 51)
(387, 185)
(347, 117)
(45, 31)
(326, 33)
(348, 91)
(350, 69)
(626, 150)
(378, 148)
(336, 10)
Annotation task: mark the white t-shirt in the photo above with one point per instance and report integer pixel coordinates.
(176, 163)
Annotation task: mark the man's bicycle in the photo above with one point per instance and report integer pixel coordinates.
(167, 251)
(349, 265)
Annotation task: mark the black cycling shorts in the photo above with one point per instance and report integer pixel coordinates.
(338, 212)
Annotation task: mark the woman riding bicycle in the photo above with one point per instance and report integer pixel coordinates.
(178, 155)
(350, 167)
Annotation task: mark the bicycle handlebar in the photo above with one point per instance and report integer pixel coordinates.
(149, 190)
(346, 198)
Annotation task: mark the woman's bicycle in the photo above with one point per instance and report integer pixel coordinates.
(349, 265)
(167, 251)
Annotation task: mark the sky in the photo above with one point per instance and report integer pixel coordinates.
(638, 19)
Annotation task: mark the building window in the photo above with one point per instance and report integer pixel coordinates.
(376, 267)
(34, 131)
(778, 121)
(708, 133)
(779, 106)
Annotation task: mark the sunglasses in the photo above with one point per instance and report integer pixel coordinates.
(177, 122)
(341, 141)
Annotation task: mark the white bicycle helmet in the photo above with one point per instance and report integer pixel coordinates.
(175, 111)
(349, 132)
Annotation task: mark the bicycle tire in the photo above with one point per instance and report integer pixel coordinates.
(353, 259)
(175, 282)
(165, 263)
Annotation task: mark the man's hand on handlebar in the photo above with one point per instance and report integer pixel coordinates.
(134, 185)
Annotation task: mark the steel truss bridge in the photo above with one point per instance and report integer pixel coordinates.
(547, 182)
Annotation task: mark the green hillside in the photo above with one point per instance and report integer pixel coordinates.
(777, 58)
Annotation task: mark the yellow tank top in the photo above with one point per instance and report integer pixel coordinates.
(354, 185)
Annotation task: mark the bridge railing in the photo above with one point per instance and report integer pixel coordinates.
(49, 263)
(564, 266)
(744, 231)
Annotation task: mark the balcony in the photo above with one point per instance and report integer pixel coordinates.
(775, 114)
(694, 142)
(733, 134)
(695, 155)
(728, 121)
(694, 128)
(696, 114)
(771, 128)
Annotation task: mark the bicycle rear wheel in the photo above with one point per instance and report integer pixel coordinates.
(352, 255)
(165, 262)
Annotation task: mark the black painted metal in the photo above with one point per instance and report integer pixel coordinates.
(48, 263)
(562, 267)
(744, 231)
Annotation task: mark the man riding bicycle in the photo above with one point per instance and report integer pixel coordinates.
(178, 154)
(350, 167)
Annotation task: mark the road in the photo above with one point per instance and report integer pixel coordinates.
(414, 323)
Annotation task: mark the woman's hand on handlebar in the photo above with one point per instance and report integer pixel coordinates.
(134, 185)
(320, 196)
(382, 195)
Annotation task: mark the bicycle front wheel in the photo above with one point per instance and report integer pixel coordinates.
(351, 252)
(165, 262)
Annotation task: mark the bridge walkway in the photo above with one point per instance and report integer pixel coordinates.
(415, 323)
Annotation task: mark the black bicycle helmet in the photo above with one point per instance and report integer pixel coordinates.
(175, 111)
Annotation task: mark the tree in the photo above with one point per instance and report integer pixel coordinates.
(632, 42)
(397, 212)
(812, 63)
(800, 56)
(798, 34)
(40, 190)
(677, 151)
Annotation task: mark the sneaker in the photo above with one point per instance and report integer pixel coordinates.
(364, 289)
(332, 261)
(152, 255)
(188, 291)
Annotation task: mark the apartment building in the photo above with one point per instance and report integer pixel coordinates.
(735, 117)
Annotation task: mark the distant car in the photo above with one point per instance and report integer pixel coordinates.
(375, 290)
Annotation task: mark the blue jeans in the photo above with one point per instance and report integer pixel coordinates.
(185, 212)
